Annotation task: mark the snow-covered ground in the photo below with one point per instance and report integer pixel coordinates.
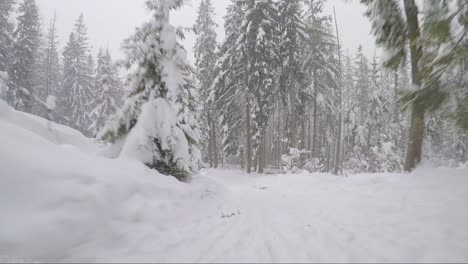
(60, 200)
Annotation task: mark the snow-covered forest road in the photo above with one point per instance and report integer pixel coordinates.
(322, 218)
(63, 200)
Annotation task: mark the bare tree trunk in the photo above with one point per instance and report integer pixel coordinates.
(242, 159)
(210, 142)
(340, 107)
(314, 139)
(249, 140)
(261, 155)
(416, 135)
(395, 97)
(215, 144)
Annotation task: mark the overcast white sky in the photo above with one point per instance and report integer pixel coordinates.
(111, 21)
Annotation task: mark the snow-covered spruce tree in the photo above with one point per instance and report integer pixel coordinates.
(189, 116)
(291, 31)
(6, 44)
(149, 127)
(319, 70)
(108, 92)
(6, 34)
(229, 88)
(205, 60)
(77, 87)
(257, 47)
(25, 55)
(50, 75)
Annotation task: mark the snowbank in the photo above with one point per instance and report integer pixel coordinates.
(50, 131)
(59, 203)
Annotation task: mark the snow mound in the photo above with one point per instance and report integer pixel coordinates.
(60, 204)
(53, 132)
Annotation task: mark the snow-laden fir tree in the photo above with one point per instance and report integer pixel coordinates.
(108, 92)
(149, 127)
(6, 44)
(50, 75)
(291, 31)
(205, 60)
(189, 116)
(319, 69)
(25, 57)
(77, 87)
(228, 87)
(258, 51)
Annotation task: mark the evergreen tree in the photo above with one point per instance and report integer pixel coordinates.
(108, 92)
(50, 71)
(6, 34)
(26, 52)
(319, 68)
(77, 90)
(229, 93)
(149, 125)
(291, 31)
(205, 55)
(432, 47)
(6, 43)
(257, 47)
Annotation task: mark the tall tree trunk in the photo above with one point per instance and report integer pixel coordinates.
(213, 139)
(292, 125)
(255, 160)
(340, 106)
(416, 135)
(309, 134)
(314, 139)
(242, 159)
(248, 140)
(395, 97)
(210, 142)
(261, 154)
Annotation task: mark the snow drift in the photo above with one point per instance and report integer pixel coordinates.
(60, 202)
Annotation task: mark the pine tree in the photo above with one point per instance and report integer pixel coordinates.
(291, 31)
(77, 90)
(6, 44)
(26, 52)
(426, 40)
(205, 55)
(259, 54)
(50, 71)
(229, 93)
(319, 66)
(149, 123)
(188, 117)
(108, 92)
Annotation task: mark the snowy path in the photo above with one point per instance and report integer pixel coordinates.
(322, 218)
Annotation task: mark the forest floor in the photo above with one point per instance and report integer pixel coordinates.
(62, 200)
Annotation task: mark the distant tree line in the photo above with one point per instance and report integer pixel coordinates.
(69, 87)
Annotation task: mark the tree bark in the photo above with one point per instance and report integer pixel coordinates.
(261, 155)
(210, 143)
(248, 140)
(314, 139)
(213, 140)
(416, 135)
